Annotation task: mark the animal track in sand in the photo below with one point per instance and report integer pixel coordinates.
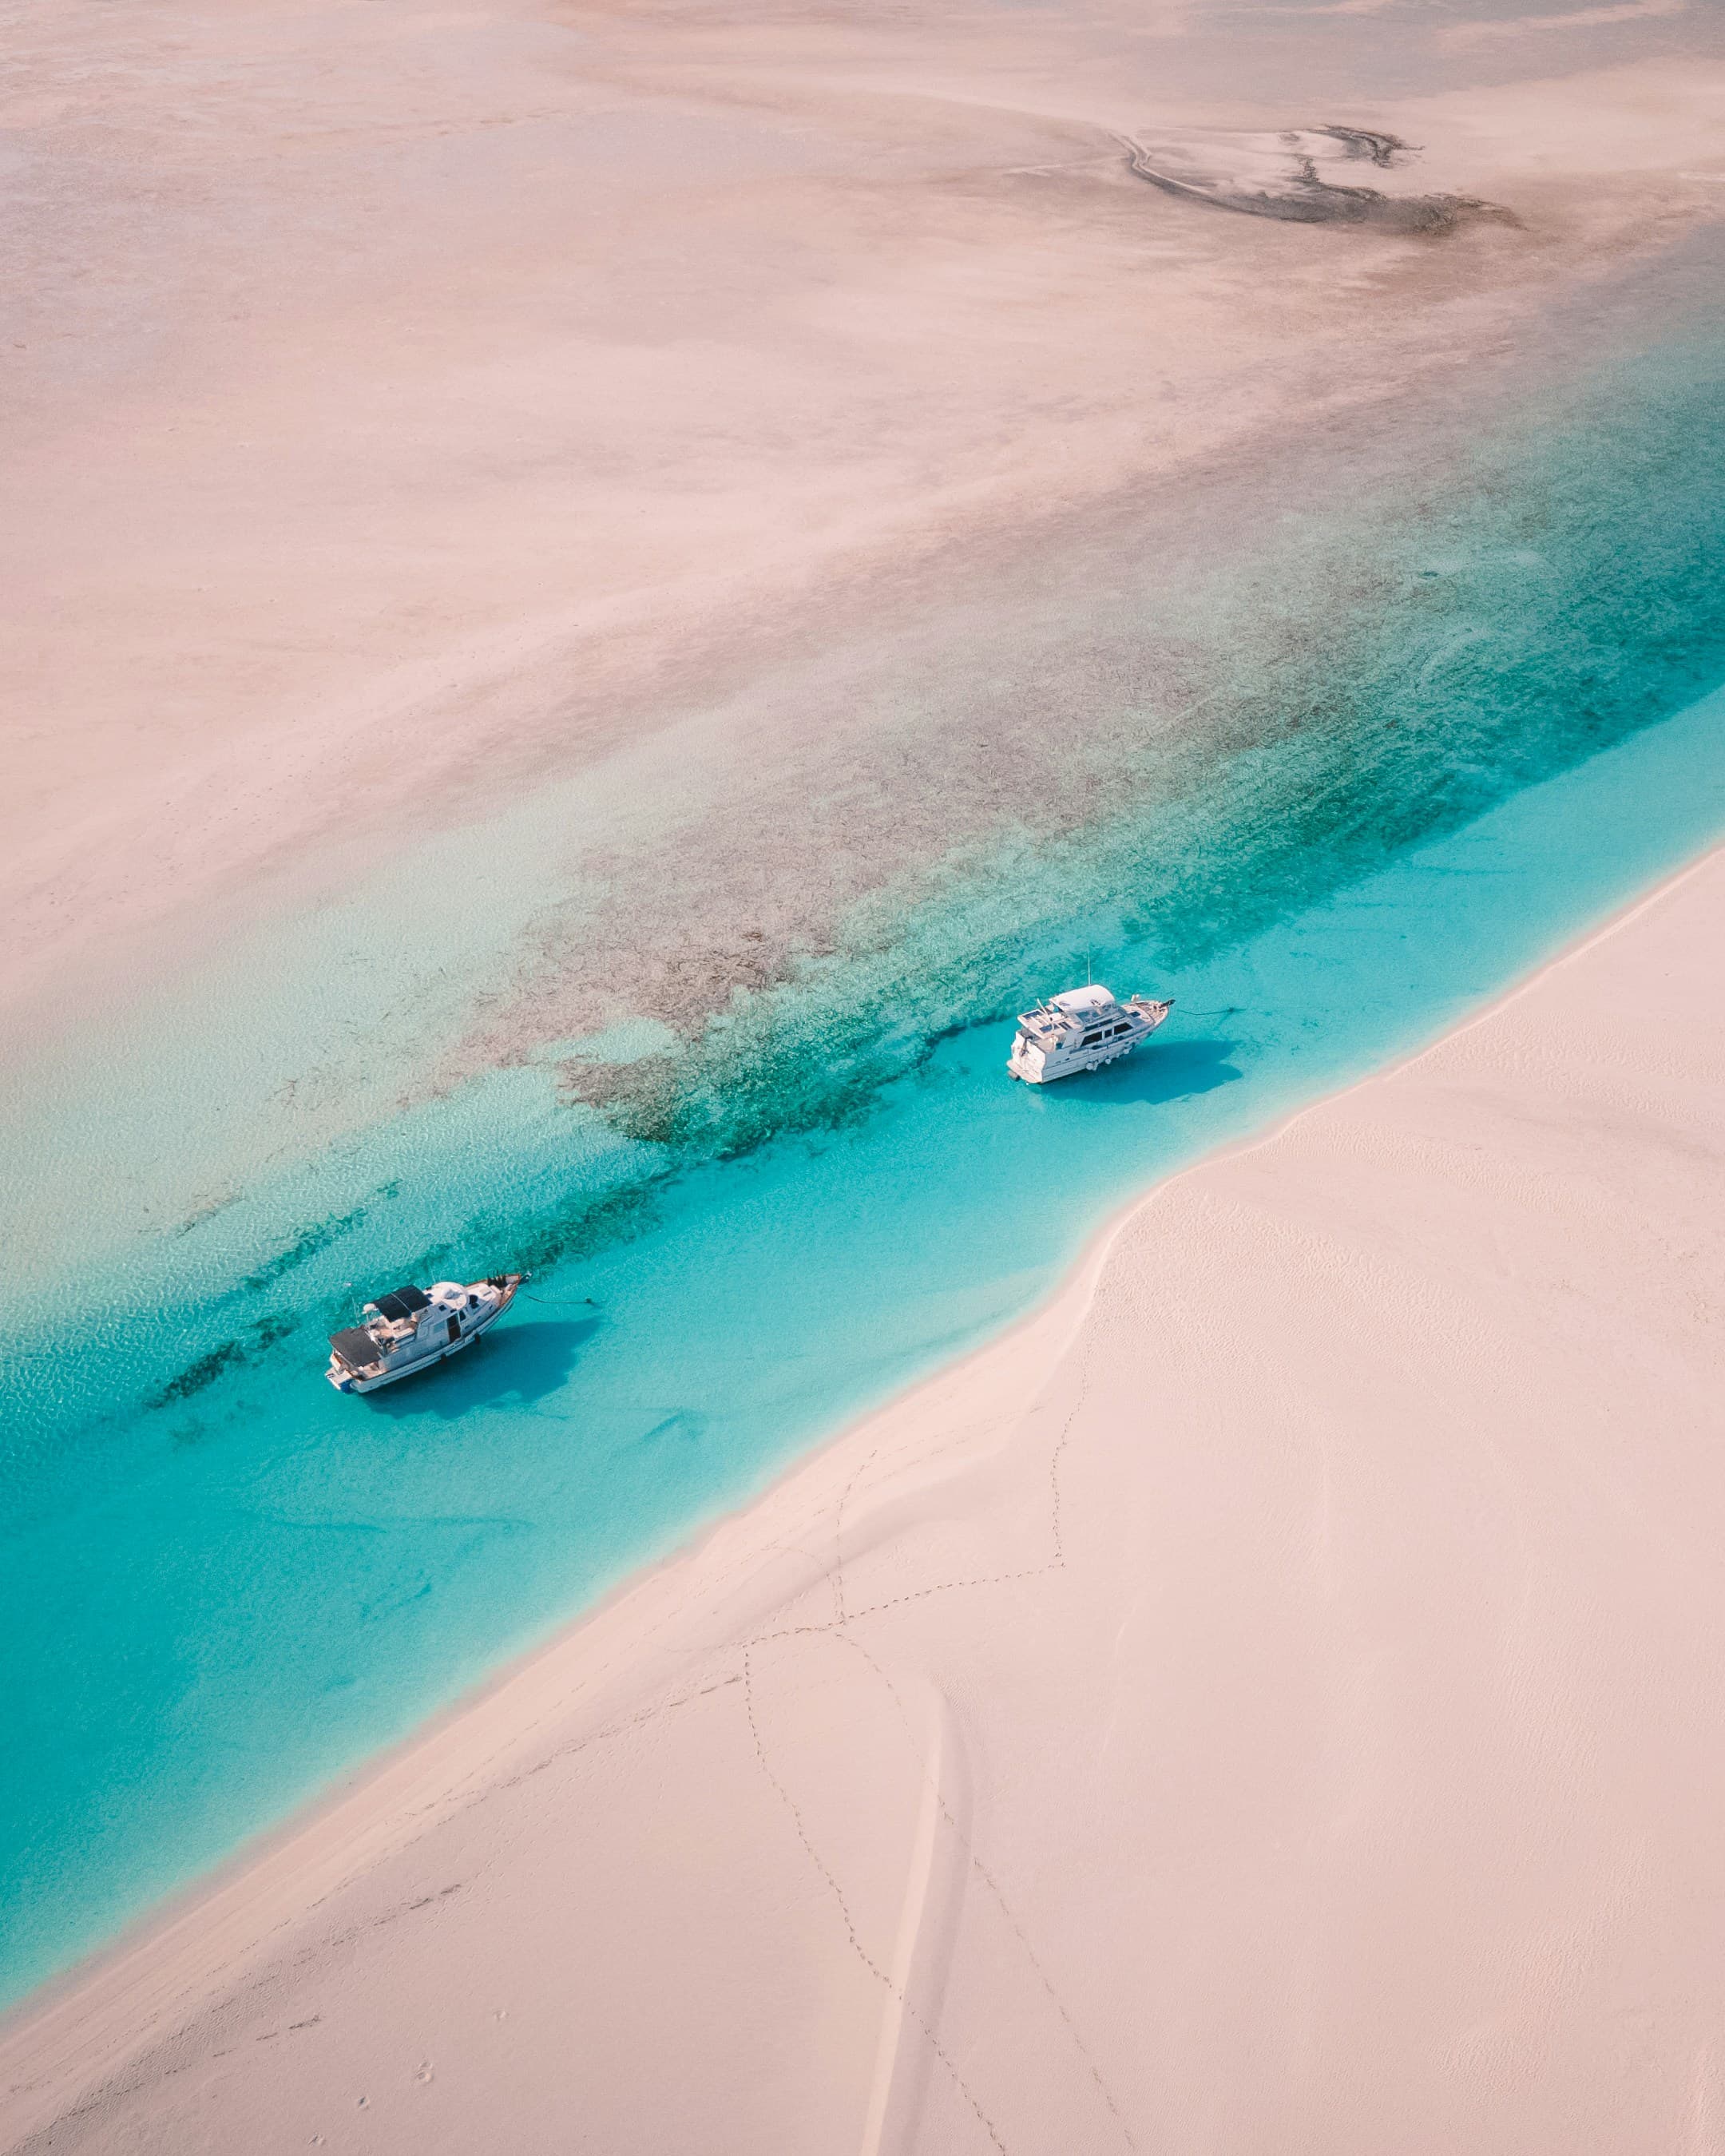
(842, 1616)
(895, 1990)
(968, 1850)
(837, 1629)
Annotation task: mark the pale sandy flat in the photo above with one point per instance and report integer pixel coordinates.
(402, 406)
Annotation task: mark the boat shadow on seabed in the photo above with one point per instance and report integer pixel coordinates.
(1161, 1070)
(522, 1363)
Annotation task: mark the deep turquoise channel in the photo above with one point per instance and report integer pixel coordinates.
(223, 1584)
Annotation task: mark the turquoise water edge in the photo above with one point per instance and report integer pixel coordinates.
(224, 1584)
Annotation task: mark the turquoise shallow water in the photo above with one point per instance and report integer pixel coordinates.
(223, 1583)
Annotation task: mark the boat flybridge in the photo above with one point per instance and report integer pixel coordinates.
(1080, 1030)
(412, 1329)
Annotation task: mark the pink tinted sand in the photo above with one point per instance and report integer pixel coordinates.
(402, 406)
(1270, 1700)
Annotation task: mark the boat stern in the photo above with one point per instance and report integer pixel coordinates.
(354, 1351)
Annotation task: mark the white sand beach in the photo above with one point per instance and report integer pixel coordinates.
(1270, 1700)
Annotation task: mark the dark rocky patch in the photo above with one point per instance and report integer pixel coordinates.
(1295, 192)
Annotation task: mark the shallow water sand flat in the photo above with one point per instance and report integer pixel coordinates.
(524, 385)
(778, 510)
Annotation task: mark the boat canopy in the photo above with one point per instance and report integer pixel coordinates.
(400, 1302)
(356, 1347)
(1082, 999)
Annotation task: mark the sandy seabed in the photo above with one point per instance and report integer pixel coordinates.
(1269, 1699)
(405, 408)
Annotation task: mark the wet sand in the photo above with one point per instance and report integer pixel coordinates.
(406, 409)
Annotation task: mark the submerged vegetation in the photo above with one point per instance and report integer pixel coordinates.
(1492, 635)
(232, 1354)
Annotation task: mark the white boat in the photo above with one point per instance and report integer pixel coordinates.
(412, 1329)
(1080, 1030)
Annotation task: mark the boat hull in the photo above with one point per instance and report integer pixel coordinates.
(1074, 1067)
(347, 1382)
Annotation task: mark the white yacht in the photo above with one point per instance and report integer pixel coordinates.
(1080, 1030)
(411, 1328)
